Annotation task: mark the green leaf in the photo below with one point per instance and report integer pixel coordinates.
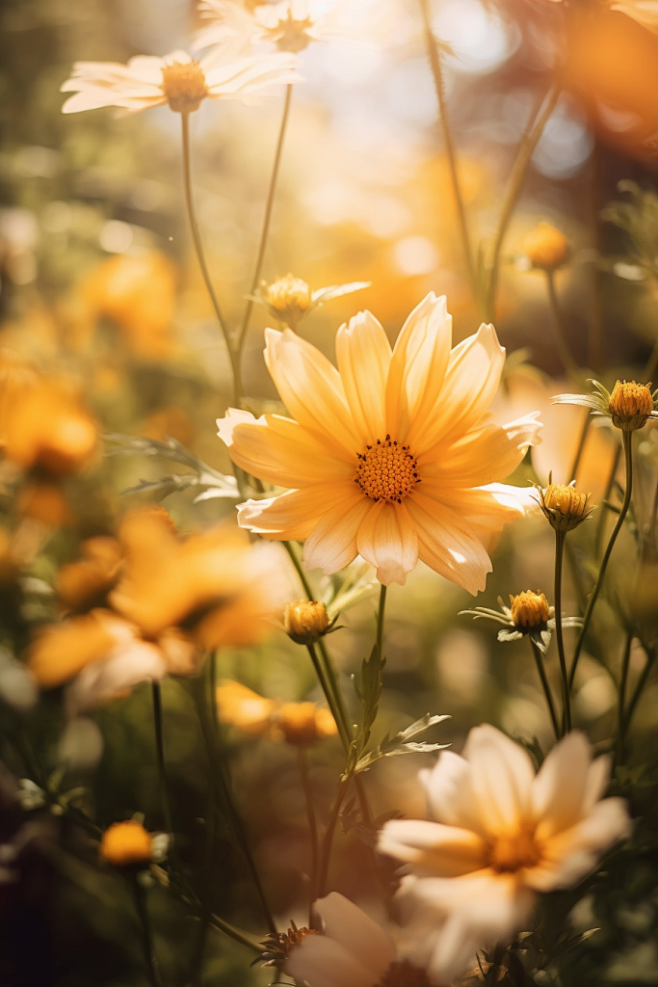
(400, 744)
(371, 690)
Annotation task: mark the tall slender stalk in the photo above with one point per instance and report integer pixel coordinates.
(628, 456)
(581, 447)
(329, 693)
(561, 344)
(139, 895)
(327, 842)
(244, 328)
(159, 747)
(639, 687)
(606, 497)
(434, 53)
(623, 681)
(539, 662)
(566, 698)
(302, 758)
(515, 182)
(201, 257)
(380, 619)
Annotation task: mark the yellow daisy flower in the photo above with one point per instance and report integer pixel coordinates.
(392, 456)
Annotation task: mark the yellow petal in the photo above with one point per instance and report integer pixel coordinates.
(388, 540)
(332, 545)
(448, 544)
(293, 515)
(364, 357)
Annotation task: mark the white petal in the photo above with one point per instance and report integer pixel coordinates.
(433, 849)
(450, 793)
(323, 962)
(502, 774)
(347, 924)
(557, 791)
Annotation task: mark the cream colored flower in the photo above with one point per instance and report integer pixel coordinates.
(290, 25)
(392, 456)
(176, 79)
(499, 834)
(351, 951)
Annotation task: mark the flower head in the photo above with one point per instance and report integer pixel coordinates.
(86, 583)
(391, 457)
(290, 25)
(546, 247)
(498, 835)
(299, 724)
(127, 844)
(289, 299)
(528, 613)
(305, 621)
(177, 80)
(564, 506)
(302, 724)
(529, 609)
(629, 406)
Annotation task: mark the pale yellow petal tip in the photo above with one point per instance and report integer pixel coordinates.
(232, 418)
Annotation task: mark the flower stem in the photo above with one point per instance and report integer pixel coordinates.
(623, 681)
(539, 661)
(639, 688)
(302, 758)
(628, 456)
(139, 894)
(329, 694)
(159, 747)
(207, 714)
(606, 497)
(380, 620)
(265, 230)
(515, 182)
(581, 447)
(198, 246)
(434, 53)
(561, 344)
(559, 553)
(325, 852)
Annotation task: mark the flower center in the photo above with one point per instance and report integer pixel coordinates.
(403, 974)
(529, 609)
(630, 404)
(513, 851)
(387, 471)
(290, 33)
(184, 85)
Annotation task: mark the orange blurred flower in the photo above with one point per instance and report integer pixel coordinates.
(299, 724)
(243, 708)
(127, 844)
(44, 502)
(87, 582)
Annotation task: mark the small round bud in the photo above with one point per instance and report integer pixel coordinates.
(546, 247)
(529, 609)
(630, 405)
(305, 621)
(303, 723)
(288, 298)
(127, 844)
(564, 506)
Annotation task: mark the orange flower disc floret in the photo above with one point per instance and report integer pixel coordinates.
(387, 471)
(184, 84)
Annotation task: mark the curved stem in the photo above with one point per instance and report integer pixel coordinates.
(329, 694)
(159, 746)
(380, 619)
(581, 447)
(327, 842)
(139, 894)
(561, 344)
(266, 228)
(539, 662)
(198, 246)
(639, 688)
(302, 759)
(628, 455)
(621, 718)
(566, 710)
(434, 53)
(606, 497)
(515, 184)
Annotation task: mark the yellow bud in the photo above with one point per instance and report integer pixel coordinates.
(304, 723)
(564, 506)
(127, 844)
(305, 621)
(546, 247)
(529, 609)
(630, 404)
(288, 298)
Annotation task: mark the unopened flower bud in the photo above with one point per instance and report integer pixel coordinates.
(288, 298)
(564, 506)
(127, 844)
(305, 621)
(529, 609)
(546, 247)
(630, 405)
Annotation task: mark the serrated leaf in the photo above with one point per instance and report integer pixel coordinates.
(371, 689)
(164, 486)
(418, 726)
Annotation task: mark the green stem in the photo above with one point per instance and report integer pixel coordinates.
(559, 553)
(628, 456)
(623, 681)
(298, 567)
(380, 620)
(302, 758)
(515, 184)
(159, 747)
(266, 224)
(223, 790)
(581, 447)
(606, 497)
(139, 894)
(561, 344)
(434, 53)
(652, 364)
(325, 852)
(198, 246)
(329, 694)
(639, 687)
(539, 662)
(236, 934)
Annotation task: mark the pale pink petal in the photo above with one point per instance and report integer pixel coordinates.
(502, 774)
(450, 794)
(364, 357)
(433, 849)
(557, 791)
(293, 515)
(388, 540)
(332, 544)
(311, 389)
(346, 923)
(323, 962)
(418, 367)
(447, 544)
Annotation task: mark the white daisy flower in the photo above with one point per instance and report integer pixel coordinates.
(291, 25)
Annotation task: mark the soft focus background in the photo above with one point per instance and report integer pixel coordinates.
(99, 281)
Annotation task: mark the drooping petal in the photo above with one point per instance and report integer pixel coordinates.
(450, 793)
(364, 357)
(502, 774)
(332, 544)
(323, 962)
(293, 515)
(447, 544)
(280, 451)
(346, 923)
(417, 371)
(311, 389)
(433, 849)
(557, 791)
(388, 540)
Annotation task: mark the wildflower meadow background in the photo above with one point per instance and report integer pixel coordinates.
(328, 493)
